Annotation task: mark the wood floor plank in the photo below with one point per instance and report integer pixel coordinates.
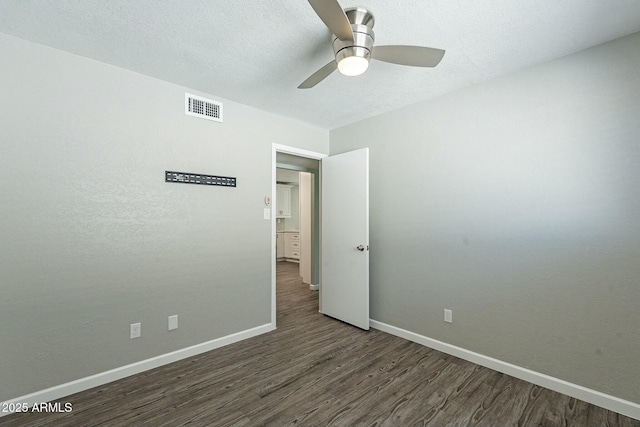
(317, 371)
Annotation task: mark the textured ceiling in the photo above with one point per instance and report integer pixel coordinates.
(256, 52)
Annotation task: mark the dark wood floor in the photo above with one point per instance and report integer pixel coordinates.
(315, 371)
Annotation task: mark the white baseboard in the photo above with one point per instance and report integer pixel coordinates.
(96, 380)
(313, 287)
(612, 403)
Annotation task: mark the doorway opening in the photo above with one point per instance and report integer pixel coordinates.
(296, 218)
(295, 231)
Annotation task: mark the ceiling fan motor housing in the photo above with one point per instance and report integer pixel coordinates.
(353, 40)
(362, 22)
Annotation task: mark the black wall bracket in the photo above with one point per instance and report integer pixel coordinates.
(198, 178)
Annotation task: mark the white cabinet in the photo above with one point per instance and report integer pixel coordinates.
(279, 245)
(292, 246)
(283, 201)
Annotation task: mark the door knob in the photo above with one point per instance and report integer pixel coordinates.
(360, 248)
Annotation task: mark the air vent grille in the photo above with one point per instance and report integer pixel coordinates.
(203, 108)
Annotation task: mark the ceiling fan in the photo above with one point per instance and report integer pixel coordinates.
(353, 38)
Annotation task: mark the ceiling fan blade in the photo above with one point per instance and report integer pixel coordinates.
(333, 17)
(319, 75)
(416, 56)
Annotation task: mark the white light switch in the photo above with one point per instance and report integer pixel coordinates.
(448, 315)
(267, 213)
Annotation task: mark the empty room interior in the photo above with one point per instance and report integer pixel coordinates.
(320, 212)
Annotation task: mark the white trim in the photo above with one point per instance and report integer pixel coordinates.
(313, 287)
(96, 380)
(612, 403)
(298, 152)
(279, 148)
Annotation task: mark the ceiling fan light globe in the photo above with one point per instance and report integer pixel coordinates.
(353, 65)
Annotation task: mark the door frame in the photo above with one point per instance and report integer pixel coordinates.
(279, 148)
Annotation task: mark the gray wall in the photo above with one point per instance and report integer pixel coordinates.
(516, 203)
(92, 238)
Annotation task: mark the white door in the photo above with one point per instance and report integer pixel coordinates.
(344, 281)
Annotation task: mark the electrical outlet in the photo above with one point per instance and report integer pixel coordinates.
(173, 322)
(136, 330)
(448, 315)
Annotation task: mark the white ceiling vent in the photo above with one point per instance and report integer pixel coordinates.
(202, 107)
